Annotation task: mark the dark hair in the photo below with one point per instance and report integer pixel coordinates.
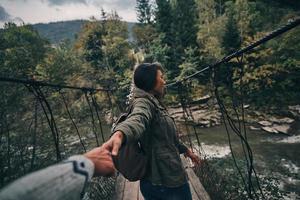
(145, 75)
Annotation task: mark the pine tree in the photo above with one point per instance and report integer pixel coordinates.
(144, 11)
(103, 15)
(184, 28)
(185, 22)
(176, 23)
(164, 21)
(231, 42)
(93, 47)
(231, 38)
(164, 25)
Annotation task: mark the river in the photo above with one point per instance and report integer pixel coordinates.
(275, 155)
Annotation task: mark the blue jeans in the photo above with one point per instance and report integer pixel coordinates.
(154, 192)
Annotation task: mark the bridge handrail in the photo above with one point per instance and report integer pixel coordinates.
(41, 83)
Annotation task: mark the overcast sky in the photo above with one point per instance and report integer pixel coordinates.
(36, 11)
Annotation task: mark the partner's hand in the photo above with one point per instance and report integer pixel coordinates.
(102, 160)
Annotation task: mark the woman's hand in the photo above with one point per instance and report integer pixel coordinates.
(114, 143)
(195, 159)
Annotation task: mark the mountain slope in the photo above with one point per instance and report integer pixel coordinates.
(56, 32)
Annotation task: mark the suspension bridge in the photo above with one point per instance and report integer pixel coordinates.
(34, 152)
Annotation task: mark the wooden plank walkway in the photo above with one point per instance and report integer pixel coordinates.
(126, 190)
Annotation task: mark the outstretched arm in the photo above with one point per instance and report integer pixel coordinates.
(133, 127)
(66, 180)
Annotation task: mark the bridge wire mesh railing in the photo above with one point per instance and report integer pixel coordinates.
(63, 121)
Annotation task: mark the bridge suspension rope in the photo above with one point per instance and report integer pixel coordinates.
(57, 86)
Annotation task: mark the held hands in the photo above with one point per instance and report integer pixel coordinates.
(102, 160)
(195, 159)
(102, 156)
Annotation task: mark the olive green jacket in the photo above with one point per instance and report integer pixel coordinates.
(150, 123)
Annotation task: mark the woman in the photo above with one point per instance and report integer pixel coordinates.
(149, 121)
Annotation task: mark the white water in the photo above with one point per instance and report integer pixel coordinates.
(291, 140)
(213, 151)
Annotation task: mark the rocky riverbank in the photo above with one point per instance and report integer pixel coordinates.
(206, 115)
